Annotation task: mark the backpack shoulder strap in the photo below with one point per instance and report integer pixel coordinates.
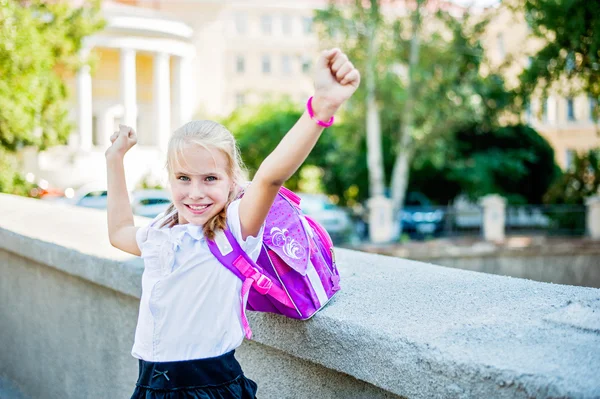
(229, 252)
(227, 249)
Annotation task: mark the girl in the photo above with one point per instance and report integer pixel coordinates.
(189, 321)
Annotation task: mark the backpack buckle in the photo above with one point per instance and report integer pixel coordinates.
(263, 284)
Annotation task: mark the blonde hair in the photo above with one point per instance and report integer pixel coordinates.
(209, 135)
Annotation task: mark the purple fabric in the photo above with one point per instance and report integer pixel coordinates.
(287, 249)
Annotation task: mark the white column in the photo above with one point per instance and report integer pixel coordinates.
(128, 87)
(381, 223)
(593, 217)
(183, 101)
(106, 124)
(494, 217)
(84, 107)
(162, 101)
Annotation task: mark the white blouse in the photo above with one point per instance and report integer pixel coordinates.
(190, 306)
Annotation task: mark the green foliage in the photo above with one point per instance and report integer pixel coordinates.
(581, 181)
(149, 182)
(10, 180)
(450, 92)
(258, 130)
(571, 30)
(514, 161)
(39, 48)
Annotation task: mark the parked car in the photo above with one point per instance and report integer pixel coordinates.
(145, 202)
(333, 218)
(150, 203)
(91, 195)
(420, 217)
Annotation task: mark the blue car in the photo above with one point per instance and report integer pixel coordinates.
(419, 217)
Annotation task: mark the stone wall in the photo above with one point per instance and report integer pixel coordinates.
(571, 261)
(399, 328)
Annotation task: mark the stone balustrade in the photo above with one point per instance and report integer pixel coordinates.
(398, 328)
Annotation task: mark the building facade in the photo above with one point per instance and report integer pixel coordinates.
(160, 63)
(565, 120)
(248, 52)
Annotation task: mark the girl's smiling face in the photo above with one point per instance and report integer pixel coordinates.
(200, 184)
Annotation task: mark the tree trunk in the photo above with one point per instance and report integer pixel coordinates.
(400, 173)
(379, 207)
(374, 151)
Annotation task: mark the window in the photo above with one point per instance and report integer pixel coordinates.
(266, 23)
(500, 45)
(570, 109)
(240, 64)
(286, 25)
(286, 65)
(593, 102)
(569, 157)
(306, 64)
(307, 25)
(240, 99)
(266, 64)
(241, 23)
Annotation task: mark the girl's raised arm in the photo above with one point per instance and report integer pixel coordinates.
(121, 230)
(335, 81)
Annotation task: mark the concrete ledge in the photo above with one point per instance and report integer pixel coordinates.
(405, 328)
(571, 261)
(8, 390)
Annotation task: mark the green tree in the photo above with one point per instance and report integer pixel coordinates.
(362, 29)
(513, 161)
(258, 130)
(39, 49)
(571, 31)
(446, 91)
(580, 181)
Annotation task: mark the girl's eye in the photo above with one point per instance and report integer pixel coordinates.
(211, 178)
(183, 178)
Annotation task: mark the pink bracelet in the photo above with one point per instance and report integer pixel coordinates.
(311, 113)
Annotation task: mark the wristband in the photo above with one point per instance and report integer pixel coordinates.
(311, 113)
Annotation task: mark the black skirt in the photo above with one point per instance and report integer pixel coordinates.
(218, 377)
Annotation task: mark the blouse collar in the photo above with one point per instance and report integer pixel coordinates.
(193, 230)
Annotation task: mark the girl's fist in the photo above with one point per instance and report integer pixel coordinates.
(121, 141)
(336, 79)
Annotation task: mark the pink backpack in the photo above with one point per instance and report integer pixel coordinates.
(295, 274)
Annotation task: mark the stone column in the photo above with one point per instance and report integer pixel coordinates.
(494, 217)
(162, 101)
(106, 121)
(592, 219)
(183, 85)
(128, 87)
(84, 107)
(381, 223)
